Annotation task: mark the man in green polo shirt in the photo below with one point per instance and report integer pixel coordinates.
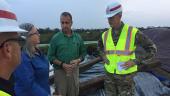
(65, 52)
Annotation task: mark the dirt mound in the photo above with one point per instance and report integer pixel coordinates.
(161, 37)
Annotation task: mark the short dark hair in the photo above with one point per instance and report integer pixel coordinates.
(66, 14)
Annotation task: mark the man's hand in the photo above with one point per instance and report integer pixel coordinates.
(75, 62)
(68, 68)
(128, 64)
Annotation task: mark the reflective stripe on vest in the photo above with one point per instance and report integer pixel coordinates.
(127, 46)
(129, 38)
(122, 52)
(118, 52)
(2, 93)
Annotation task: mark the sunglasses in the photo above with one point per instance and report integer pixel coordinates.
(19, 40)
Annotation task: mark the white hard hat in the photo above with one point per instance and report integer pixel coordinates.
(8, 20)
(113, 8)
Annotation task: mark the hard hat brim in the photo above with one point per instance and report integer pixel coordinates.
(11, 29)
(113, 14)
(110, 15)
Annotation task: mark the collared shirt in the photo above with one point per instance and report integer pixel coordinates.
(6, 86)
(66, 48)
(141, 40)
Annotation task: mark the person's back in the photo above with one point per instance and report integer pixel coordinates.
(9, 48)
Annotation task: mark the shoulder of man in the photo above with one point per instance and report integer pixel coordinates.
(78, 35)
(100, 41)
(101, 33)
(56, 36)
(141, 35)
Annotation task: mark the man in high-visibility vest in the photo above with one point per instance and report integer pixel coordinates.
(9, 47)
(118, 45)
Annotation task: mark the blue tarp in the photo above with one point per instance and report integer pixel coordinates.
(147, 84)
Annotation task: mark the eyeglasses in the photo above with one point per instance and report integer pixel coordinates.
(35, 33)
(19, 40)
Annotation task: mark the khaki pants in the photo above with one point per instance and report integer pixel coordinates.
(66, 85)
(119, 85)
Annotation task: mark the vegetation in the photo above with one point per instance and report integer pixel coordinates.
(86, 34)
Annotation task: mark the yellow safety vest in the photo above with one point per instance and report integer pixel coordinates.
(122, 52)
(2, 93)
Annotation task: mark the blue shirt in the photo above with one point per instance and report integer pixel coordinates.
(32, 76)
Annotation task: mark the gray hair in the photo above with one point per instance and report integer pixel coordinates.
(28, 46)
(26, 26)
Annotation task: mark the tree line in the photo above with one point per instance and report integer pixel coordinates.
(86, 34)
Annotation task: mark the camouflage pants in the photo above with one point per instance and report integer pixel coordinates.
(119, 85)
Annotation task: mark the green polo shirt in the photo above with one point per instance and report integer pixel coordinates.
(66, 48)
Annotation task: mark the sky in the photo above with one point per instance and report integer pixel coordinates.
(91, 13)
